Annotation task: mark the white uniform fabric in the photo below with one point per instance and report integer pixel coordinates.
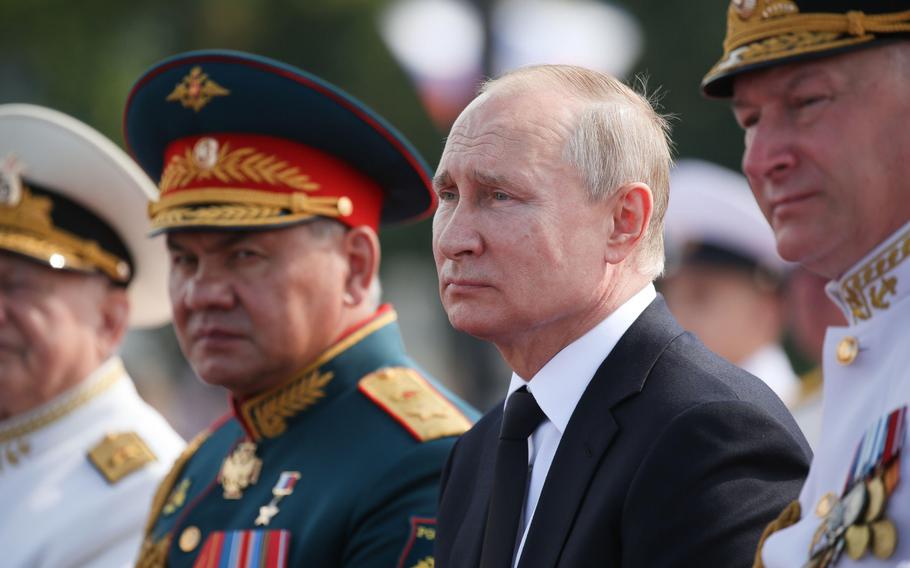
(59, 511)
(559, 385)
(875, 297)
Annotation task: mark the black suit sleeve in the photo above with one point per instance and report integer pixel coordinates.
(714, 478)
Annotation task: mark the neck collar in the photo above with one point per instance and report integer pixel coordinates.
(336, 370)
(876, 282)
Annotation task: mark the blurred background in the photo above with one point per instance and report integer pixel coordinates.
(416, 62)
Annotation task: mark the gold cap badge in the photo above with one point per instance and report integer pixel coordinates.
(10, 181)
(196, 90)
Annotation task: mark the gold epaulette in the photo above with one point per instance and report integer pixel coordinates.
(810, 385)
(414, 403)
(153, 554)
(787, 518)
(167, 484)
(120, 454)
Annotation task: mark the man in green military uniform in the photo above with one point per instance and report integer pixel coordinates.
(272, 186)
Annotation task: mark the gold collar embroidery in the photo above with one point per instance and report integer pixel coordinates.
(13, 443)
(266, 414)
(872, 286)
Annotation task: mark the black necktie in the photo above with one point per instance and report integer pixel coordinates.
(510, 479)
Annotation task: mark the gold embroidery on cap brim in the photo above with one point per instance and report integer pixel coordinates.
(779, 47)
(28, 228)
(242, 165)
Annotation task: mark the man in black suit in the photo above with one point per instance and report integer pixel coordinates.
(624, 441)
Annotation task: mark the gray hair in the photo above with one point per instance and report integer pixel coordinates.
(326, 228)
(619, 138)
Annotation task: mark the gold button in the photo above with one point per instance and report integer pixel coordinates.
(189, 539)
(847, 350)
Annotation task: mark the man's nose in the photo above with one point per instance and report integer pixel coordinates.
(209, 288)
(770, 151)
(456, 232)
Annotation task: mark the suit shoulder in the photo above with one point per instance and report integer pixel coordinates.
(693, 366)
(415, 403)
(688, 376)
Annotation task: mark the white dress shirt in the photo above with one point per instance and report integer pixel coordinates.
(558, 387)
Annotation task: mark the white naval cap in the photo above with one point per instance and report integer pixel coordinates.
(712, 206)
(73, 200)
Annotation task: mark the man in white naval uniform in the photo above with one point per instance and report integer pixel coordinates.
(80, 452)
(822, 91)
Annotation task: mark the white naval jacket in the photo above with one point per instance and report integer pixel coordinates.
(859, 388)
(57, 509)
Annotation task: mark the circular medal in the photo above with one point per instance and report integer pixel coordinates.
(857, 537)
(884, 538)
(834, 523)
(854, 503)
(825, 503)
(876, 491)
(189, 539)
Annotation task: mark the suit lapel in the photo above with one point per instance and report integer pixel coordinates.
(591, 430)
(469, 542)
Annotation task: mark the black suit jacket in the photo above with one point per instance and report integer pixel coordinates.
(673, 457)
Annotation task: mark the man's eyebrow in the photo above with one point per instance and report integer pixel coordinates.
(442, 179)
(493, 180)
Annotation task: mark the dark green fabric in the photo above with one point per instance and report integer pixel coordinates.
(367, 486)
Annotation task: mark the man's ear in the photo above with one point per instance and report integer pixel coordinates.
(631, 212)
(115, 315)
(361, 248)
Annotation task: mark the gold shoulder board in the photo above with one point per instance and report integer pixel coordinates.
(120, 454)
(166, 487)
(414, 403)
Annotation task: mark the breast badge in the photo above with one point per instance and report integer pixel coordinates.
(240, 470)
(857, 523)
(177, 497)
(284, 487)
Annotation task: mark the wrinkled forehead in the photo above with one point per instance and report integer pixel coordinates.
(507, 118)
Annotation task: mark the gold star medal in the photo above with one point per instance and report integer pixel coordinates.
(283, 488)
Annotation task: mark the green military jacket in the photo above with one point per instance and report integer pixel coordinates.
(339, 466)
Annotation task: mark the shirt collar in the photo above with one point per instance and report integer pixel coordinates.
(875, 282)
(558, 386)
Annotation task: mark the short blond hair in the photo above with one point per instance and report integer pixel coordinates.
(619, 138)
